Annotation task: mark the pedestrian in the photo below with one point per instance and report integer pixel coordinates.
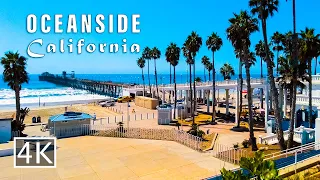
(94, 116)
(208, 131)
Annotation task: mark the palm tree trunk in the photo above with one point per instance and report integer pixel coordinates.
(144, 87)
(194, 87)
(277, 62)
(273, 89)
(190, 94)
(292, 113)
(156, 77)
(213, 90)
(170, 84)
(241, 87)
(261, 70)
(261, 76)
(204, 74)
(149, 78)
(17, 94)
(310, 93)
(249, 96)
(209, 75)
(315, 67)
(175, 92)
(294, 83)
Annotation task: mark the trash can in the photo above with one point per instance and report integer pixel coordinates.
(34, 120)
(38, 119)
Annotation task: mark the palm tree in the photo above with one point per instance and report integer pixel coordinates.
(316, 58)
(259, 49)
(214, 43)
(15, 75)
(170, 75)
(190, 62)
(193, 44)
(155, 54)
(310, 50)
(276, 40)
(205, 61)
(242, 26)
(141, 63)
(227, 71)
(146, 54)
(209, 67)
(293, 72)
(173, 56)
(198, 79)
(264, 9)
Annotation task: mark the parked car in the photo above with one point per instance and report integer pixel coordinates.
(107, 103)
(125, 99)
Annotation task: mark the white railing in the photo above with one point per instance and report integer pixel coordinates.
(208, 83)
(315, 77)
(179, 136)
(297, 137)
(228, 154)
(124, 117)
(305, 99)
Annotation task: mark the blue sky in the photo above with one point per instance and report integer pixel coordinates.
(161, 22)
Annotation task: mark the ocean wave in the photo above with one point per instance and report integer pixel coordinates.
(7, 96)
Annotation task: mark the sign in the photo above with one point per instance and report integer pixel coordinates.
(35, 152)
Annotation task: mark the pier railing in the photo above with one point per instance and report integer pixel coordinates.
(208, 83)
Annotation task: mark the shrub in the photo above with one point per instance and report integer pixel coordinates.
(245, 143)
(236, 146)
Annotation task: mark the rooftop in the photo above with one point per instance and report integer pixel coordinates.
(69, 116)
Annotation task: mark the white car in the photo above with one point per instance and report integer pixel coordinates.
(107, 103)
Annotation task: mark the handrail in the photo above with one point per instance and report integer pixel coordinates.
(297, 149)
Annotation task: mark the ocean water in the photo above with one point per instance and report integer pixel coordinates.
(40, 93)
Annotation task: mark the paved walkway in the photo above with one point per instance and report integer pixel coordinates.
(94, 158)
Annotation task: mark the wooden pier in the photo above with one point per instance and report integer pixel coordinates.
(107, 88)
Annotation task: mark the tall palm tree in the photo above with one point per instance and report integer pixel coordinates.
(155, 54)
(209, 67)
(170, 75)
(190, 62)
(311, 41)
(259, 50)
(173, 56)
(193, 44)
(205, 61)
(146, 54)
(141, 63)
(214, 43)
(276, 40)
(241, 27)
(227, 71)
(265, 9)
(15, 75)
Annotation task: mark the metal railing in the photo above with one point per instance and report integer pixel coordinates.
(179, 136)
(229, 154)
(124, 117)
